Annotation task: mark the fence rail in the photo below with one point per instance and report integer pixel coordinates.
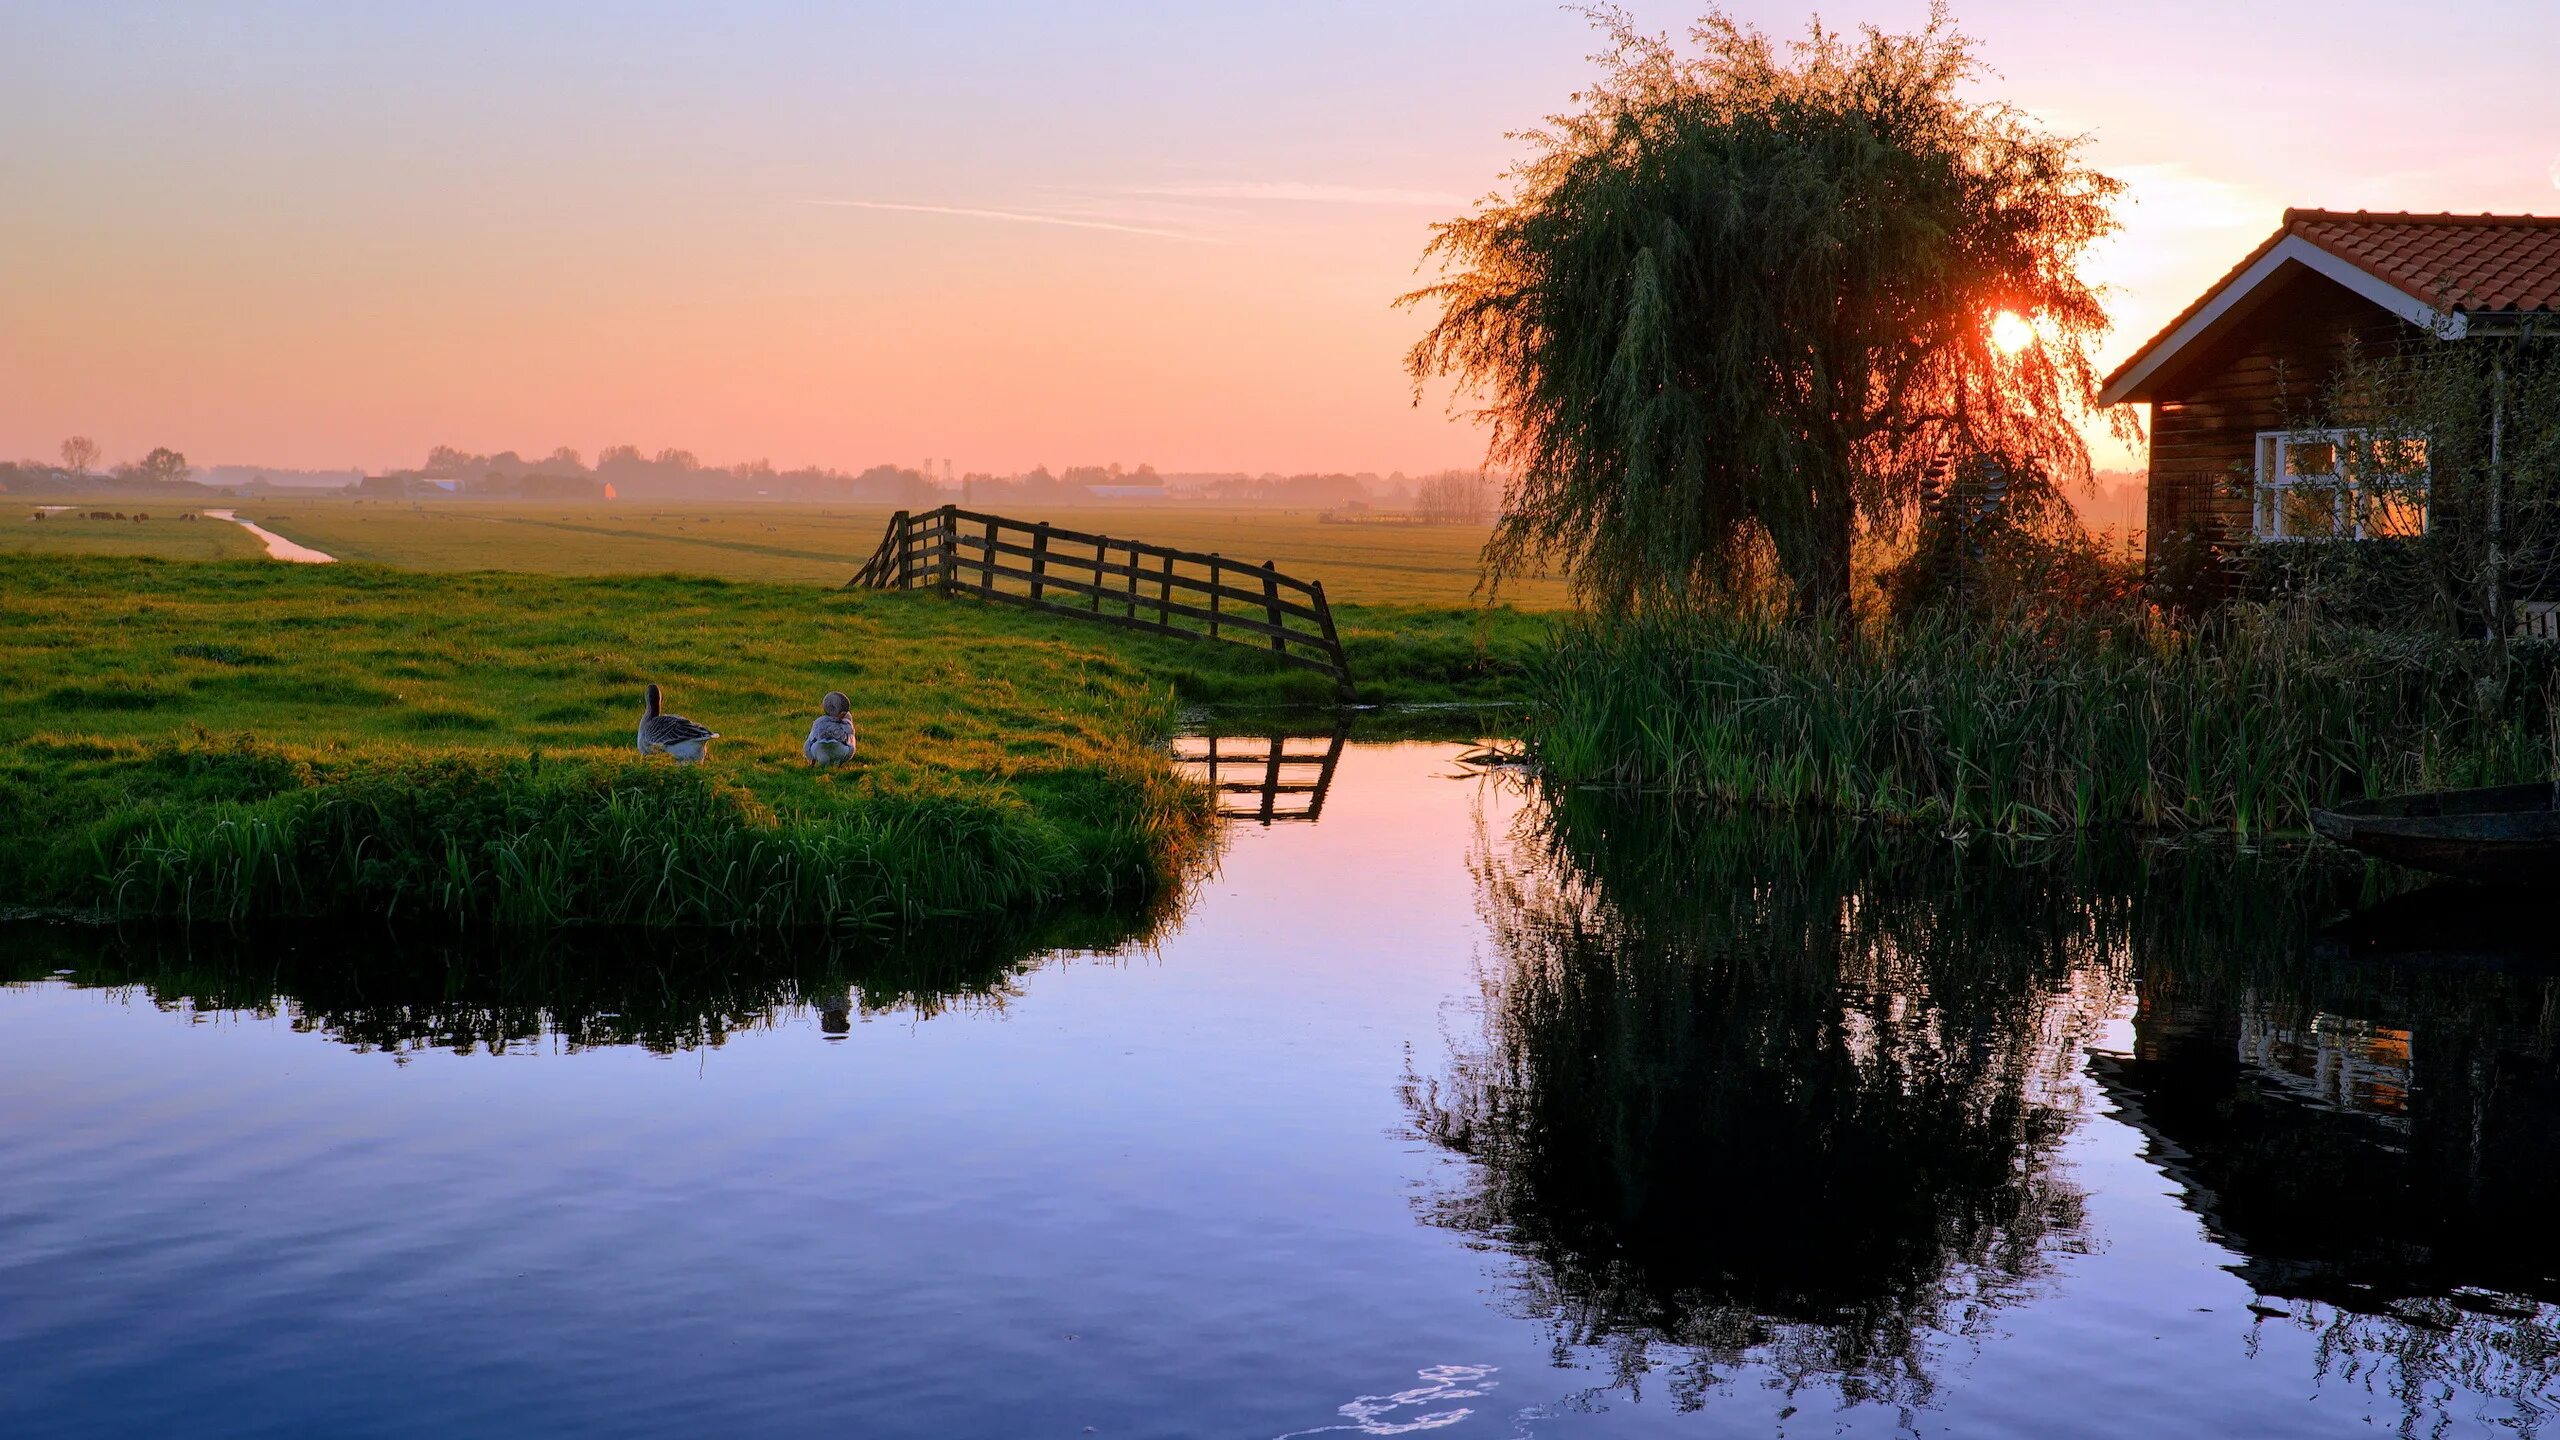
(1128, 583)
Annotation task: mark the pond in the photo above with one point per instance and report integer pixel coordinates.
(1440, 1107)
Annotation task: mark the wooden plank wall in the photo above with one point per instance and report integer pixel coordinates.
(2268, 376)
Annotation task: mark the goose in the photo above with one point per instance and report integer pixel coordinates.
(671, 734)
(830, 739)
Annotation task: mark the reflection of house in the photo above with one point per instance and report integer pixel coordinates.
(2333, 1060)
(2234, 370)
(2349, 1161)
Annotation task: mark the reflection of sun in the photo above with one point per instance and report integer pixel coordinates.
(2011, 333)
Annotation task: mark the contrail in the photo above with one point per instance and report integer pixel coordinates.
(1300, 191)
(1018, 217)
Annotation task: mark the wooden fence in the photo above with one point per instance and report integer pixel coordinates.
(1264, 778)
(1121, 582)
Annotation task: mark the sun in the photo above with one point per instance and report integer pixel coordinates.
(2010, 332)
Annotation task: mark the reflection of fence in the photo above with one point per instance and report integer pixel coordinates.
(1265, 778)
(1128, 583)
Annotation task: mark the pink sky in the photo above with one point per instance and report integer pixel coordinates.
(335, 235)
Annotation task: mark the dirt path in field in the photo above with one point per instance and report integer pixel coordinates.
(278, 547)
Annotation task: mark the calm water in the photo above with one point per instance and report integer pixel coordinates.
(1447, 1112)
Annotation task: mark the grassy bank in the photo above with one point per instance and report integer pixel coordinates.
(2246, 726)
(251, 739)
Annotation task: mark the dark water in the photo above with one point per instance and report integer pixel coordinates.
(1447, 1112)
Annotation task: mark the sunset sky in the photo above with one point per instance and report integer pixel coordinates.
(337, 234)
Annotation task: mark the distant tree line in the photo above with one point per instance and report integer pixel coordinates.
(628, 472)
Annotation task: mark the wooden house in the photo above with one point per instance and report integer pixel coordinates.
(2229, 379)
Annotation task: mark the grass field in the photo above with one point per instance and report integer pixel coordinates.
(1418, 565)
(163, 536)
(262, 739)
(257, 739)
(440, 724)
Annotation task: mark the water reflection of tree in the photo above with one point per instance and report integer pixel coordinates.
(1752, 1095)
(1769, 1095)
(512, 991)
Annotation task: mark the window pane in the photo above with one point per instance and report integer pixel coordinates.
(2310, 457)
(2396, 459)
(2398, 513)
(2310, 512)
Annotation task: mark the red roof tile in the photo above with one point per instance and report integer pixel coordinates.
(2469, 263)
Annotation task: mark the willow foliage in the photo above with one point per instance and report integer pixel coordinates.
(1741, 301)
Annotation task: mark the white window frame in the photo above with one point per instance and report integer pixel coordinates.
(2275, 478)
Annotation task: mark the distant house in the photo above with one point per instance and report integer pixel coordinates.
(2227, 377)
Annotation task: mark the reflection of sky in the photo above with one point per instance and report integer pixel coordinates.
(337, 234)
(1160, 1194)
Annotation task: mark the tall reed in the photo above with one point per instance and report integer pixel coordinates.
(2246, 724)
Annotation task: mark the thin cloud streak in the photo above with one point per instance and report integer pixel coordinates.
(1298, 192)
(1016, 217)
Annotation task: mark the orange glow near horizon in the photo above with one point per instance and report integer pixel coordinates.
(1003, 235)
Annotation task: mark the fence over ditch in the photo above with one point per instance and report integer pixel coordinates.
(1117, 581)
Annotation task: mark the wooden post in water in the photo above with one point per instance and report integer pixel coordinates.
(1039, 559)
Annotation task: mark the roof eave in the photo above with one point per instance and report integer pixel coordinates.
(2130, 381)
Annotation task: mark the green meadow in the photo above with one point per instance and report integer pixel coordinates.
(1431, 566)
(249, 739)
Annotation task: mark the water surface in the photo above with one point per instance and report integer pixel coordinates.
(1445, 1111)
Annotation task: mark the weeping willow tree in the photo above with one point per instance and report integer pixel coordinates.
(1741, 303)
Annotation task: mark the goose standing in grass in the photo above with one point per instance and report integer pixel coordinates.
(671, 734)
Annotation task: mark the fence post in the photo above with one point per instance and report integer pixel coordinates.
(1214, 596)
(946, 546)
(987, 575)
(1271, 602)
(1039, 559)
(906, 551)
(1332, 644)
(1164, 592)
(1101, 547)
(1133, 580)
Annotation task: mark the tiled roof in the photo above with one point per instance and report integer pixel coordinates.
(2470, 263)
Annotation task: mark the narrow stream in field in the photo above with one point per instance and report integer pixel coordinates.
(278, 547)
(1441, 1107)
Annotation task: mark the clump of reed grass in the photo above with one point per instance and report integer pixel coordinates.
(2245, 724)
